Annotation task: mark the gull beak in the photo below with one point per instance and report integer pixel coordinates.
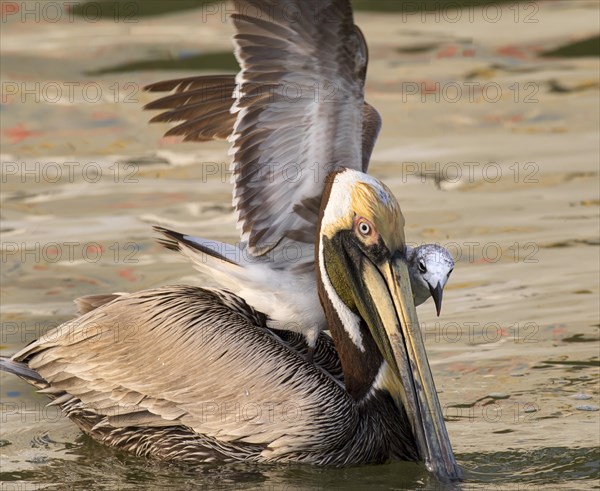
(436, 294)
(383, 296)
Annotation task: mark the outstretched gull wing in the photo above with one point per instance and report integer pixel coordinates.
(299, 113)
(203, 104)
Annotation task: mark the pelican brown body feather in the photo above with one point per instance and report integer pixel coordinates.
(207, 380)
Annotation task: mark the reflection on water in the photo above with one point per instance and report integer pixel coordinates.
(544, 466)
(89, 465)
(95, 469)
(515, 353)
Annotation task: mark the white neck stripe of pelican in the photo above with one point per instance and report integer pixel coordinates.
(349, 319)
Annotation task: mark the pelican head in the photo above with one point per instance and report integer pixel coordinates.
(364, 286)
(430, 266)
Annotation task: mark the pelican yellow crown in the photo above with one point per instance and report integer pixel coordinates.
(356, 194)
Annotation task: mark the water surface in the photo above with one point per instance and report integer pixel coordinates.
(509, 184)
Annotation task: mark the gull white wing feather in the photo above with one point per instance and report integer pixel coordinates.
(284, 144)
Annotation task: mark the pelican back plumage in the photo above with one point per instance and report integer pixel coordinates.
(194, 375)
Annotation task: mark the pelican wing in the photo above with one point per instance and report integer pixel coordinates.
(203, 105)
(298, 113)
(189, 358)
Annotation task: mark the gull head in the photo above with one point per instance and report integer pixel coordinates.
(430, 266)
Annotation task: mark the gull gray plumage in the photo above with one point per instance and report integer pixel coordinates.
(430, 266)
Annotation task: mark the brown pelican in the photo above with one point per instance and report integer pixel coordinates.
(195, 374)
(279, 287)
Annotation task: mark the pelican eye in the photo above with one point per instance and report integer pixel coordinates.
(364, 228)
(422, 267)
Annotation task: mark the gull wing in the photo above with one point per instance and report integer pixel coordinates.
(203, 104)
(299, 115)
